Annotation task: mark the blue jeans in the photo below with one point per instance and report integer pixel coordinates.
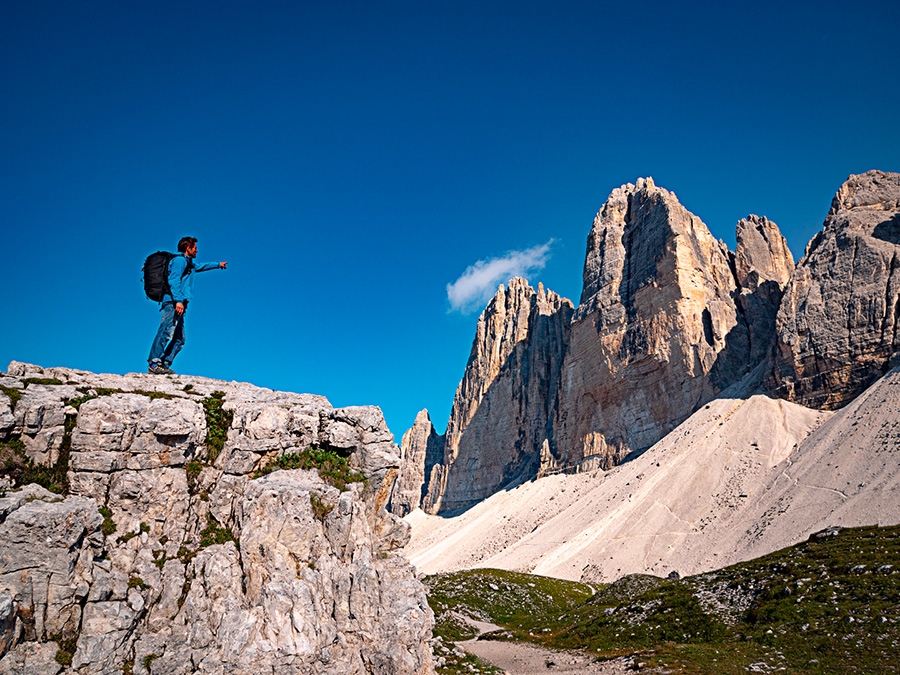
(169, 338)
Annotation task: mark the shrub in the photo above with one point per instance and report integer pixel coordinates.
(333, 469)
(13, 394)
(215, 534)
(137, 582)
(41, 380)
(218, 421)
(320, 509)
(109, 525)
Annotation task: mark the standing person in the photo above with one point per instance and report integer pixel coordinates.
(170, 337)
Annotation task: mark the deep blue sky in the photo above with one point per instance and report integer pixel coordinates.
(352, 159)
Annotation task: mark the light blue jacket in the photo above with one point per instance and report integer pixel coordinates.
(181, 277)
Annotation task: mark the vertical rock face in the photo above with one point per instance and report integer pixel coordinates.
(421, 448)
(668, 318)
(174, 553)
(837, 325)
(502, 409)
(660, 328)
(763, 265)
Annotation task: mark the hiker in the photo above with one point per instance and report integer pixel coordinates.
(170, 337)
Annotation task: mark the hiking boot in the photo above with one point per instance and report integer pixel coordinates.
(159, 369)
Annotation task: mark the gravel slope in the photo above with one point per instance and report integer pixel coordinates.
(742, 477)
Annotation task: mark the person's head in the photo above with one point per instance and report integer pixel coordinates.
(188, 246)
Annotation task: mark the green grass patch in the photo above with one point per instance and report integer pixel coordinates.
(41, 380)
(831, 604)
(501, 597)
(108, 526)
(137, 582)
(332, 468)
(13, 394)
(66, 649)
(218, 422)
(154, 394)
(214, 533)
(185, 555)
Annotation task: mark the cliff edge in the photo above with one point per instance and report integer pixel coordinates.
(203, 526)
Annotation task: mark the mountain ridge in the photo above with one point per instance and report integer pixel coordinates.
(669, 318)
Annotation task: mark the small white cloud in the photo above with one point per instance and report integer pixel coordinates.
(479, 282)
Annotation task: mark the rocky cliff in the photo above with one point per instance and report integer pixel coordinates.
(503, 406)
(668, 318)
(663, 325)
(420, 450)
(203, 526)
(837, 327)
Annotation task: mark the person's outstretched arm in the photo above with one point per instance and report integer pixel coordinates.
(205, 267)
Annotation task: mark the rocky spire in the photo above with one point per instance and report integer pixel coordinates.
(762, 254)
(836, 330)
(421, 448)
(500, 413)
(657, 315)
(763, 265)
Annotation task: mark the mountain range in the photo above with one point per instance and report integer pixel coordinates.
(698, 406)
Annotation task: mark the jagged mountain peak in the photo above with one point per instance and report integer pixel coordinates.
(762, 253)
(838, 326)
(873, 190)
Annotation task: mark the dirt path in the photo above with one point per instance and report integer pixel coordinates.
(522, 659)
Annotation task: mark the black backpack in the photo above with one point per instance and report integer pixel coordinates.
(156, 275)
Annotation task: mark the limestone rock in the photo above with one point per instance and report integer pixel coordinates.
(504, 402)
(46, 562)
(197, 562)
(762, 254)
(7, 420)
(31, 658)
(661, 327)
(40, 418)
(420, 449)
(763, 265)
(668, 318)
(837, 327)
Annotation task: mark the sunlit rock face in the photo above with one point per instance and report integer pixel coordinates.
(668, 318)
(503, 406)
(836, 330)
(420, 450)
(174, 552)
